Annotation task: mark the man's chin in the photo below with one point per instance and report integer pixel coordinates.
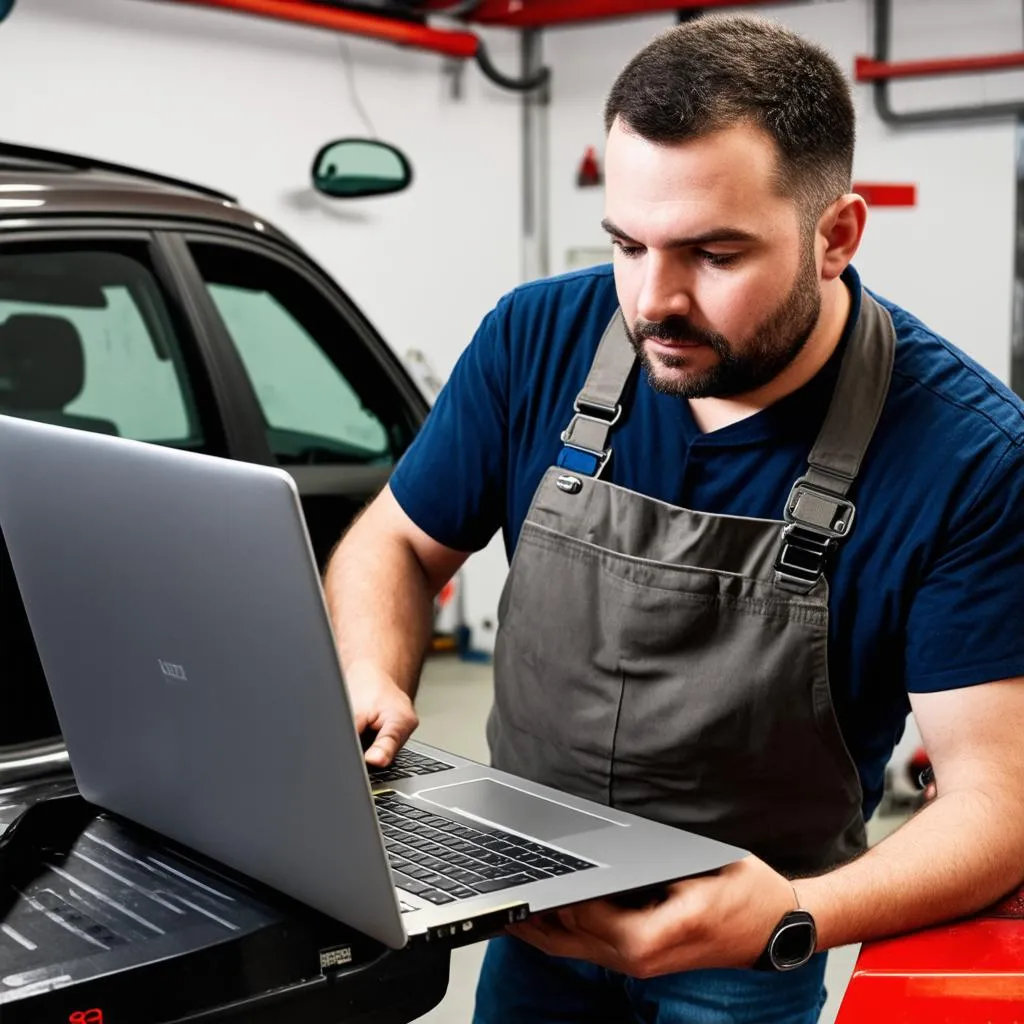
(676, 374)
(678, 382)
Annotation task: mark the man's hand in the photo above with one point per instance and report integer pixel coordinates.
(381, 706)
(724, 919)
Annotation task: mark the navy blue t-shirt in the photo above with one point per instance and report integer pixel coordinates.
(927, 592)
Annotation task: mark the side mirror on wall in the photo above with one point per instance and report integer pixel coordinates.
(354, 168)
(6, 6)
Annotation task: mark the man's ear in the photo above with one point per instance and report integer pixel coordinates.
(841, 227)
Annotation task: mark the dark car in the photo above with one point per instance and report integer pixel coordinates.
(154, 309)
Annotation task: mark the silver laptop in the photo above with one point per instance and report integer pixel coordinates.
(182, 629)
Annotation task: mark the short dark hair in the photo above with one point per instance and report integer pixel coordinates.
(718, 71)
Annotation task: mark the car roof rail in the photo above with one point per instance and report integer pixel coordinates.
(32, 154)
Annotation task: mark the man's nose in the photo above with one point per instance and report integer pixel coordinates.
(665, 291)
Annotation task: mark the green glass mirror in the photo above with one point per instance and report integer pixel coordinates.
(352, 168)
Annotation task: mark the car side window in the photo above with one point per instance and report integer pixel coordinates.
(324, 398)
(86, 341)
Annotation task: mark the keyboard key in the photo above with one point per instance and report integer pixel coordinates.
(535, 860)
(432, 862)
(536, 873)
(500, 846)
(462, 875)
(412, 885)
(460, 860)
(418, 872)
(496, 884)
(434, 850)
(461, 846)
(560, 869)
(570, 862)
(492, 873)
(436, 896)
(495, 860)
(447, 885)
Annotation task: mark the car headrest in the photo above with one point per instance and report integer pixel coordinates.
(42, 362)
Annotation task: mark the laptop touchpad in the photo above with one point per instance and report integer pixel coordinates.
(507, 807)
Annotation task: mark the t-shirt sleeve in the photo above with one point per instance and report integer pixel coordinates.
(452, 481)
(964, 625)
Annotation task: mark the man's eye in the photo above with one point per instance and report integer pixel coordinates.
(629, 251)
(718, 259)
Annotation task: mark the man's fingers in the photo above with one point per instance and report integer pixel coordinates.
(389, 739)
(556, 941)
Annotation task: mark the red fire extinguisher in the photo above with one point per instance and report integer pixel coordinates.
(589, 173)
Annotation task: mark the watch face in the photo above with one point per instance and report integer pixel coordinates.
(793, 945)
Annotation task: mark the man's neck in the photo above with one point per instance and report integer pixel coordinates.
(715, 413)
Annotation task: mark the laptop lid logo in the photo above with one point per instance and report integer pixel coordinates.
(171, 670)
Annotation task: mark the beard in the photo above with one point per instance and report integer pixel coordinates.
(741, 368)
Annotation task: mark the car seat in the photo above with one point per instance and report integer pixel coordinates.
(42, 371)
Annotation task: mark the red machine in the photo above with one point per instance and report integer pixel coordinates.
(969, 972)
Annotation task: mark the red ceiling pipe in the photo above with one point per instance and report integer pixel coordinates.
(389, 30)
(870, 70)
(538, 13)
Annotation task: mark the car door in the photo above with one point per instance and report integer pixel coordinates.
(336, 408)
(93, 335)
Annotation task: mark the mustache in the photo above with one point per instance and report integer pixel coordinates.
(677, 328)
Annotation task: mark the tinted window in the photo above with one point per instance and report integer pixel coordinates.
(86, 341)
(324, 398)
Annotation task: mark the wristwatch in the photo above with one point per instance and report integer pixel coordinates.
(792, 943)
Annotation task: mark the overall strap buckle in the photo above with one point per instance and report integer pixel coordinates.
(801, 559)
(816, 521)
(586, 450)
(819, 510)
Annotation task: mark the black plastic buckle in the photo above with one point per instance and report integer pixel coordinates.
(801, 559)
(834, 515)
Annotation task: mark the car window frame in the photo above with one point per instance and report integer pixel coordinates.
(331, 479)
(216, 435)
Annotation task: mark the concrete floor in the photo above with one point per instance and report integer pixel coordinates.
(453, 702)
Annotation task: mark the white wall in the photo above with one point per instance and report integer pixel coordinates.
(949, 259)
(243, 104)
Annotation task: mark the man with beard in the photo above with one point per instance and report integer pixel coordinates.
(757, 514)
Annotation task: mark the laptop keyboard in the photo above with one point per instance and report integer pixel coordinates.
(406, 764)
(441, 860)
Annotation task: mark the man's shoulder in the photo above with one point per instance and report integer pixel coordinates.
(556, 306)
(950, 387)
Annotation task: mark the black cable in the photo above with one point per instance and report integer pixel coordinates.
(346, 57)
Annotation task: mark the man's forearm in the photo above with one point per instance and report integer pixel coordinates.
(381, 605)
(959, 854)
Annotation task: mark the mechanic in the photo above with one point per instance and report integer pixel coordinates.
(758, 513)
